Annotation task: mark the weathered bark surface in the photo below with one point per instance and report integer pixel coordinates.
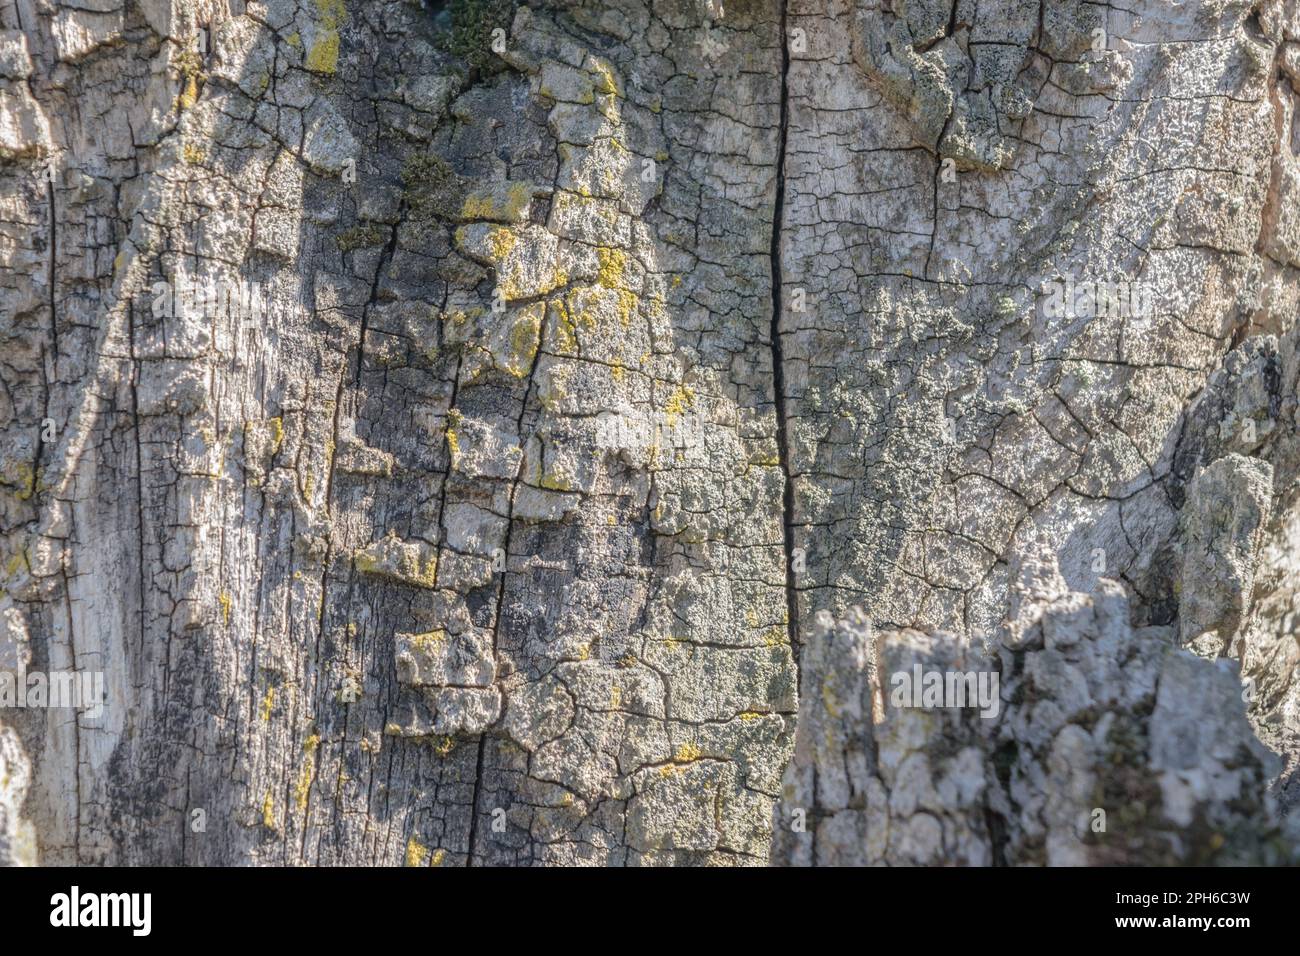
(1161, 453)
(591, 371)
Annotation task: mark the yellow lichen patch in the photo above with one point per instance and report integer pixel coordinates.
(453, 439)
(190, 96)
(438, 856)
(428, 641)
(498, 242)
(268, 703)
(409, 564)
(524, 340)
(554, 482)
(193, 154)
(829, 699)
(508, 203)
(268, 811)
(459, 317)
(612, 266)
(626, 306)
(774, 637)
(444, 745)
(224, 600)
(191, 70)
(478, 205)
(416, 854)
(659, 306)
(584, 652)
(604, 80)
(751, 715)
(583, 308)
(608, 108)
(17, 562)
(682, 397)
(566, 333)
(687, 753)
(615, 696)
(26, 479)
(302, 790)
(323, 57)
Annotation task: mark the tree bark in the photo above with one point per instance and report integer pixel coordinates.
(558, 371)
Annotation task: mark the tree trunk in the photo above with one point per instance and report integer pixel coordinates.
(443, 429)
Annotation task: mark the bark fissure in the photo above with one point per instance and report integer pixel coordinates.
(778, 360)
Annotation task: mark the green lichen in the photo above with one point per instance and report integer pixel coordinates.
(411, 565)
(470, 35)
(359, 237)
(26, 479)
(431, 188)
(17, 562)
(323, 57)
(1005, 307)
(191, 69)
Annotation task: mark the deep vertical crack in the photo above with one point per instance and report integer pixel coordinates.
(501, 588)
(385, 258)
(778, 366)
(54, 256)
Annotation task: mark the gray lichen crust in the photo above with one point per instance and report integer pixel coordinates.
(443, 429)
(1112, 746)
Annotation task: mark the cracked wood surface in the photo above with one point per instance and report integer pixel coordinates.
(585, 375)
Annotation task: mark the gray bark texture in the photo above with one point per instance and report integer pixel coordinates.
(587, 407)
